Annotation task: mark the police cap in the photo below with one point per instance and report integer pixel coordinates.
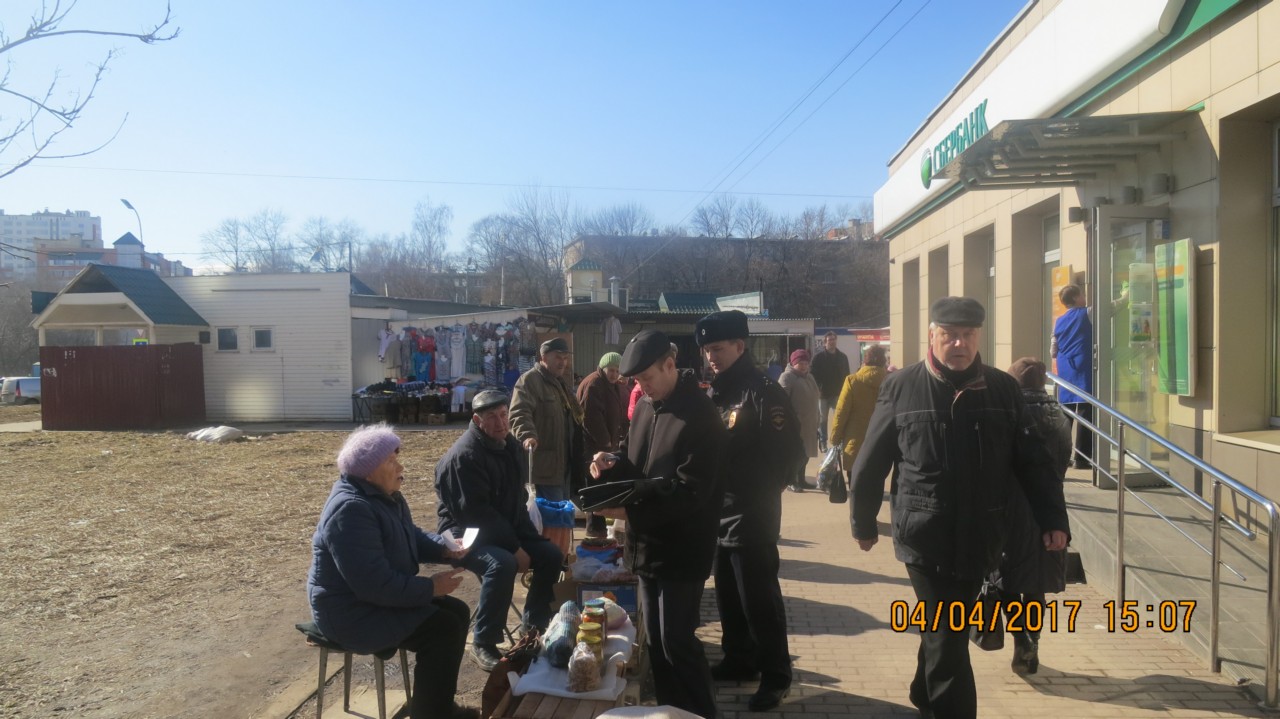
(488, 399)
(642, 351)
(957, 311)
(718, 326)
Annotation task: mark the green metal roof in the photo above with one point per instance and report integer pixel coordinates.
(688, 302)
(585, 264)
(144, 288)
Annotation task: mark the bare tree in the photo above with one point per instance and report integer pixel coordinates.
(271, 249)
(627, 219)
(317, 242)
(35, 113)
(429, 234)
(715, 218)
(19, 342)
(229, 244)
(753, 219)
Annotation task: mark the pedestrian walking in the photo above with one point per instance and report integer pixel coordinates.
(830, 367)
(857, 402)
(802, 389)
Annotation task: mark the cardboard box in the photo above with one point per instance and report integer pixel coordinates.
(626, 594)
(435, 418)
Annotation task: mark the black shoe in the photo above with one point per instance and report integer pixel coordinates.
(798, 489)
(485, 656)
(1026, 658)
(723, 672)
(766, 699)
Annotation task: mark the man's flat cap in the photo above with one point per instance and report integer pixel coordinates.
(717, 326)
(642, 351)
(958, 311)
(555, 344)
(488, 399)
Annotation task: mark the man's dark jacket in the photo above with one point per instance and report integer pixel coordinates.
(764, 447)
(830, 369)
(480, 483)
(959, 452)
(673, 536)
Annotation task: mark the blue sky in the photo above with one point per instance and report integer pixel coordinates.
(449, 101)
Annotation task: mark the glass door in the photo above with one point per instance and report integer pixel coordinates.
(1125, 328)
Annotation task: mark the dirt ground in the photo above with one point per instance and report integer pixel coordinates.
(147, 575)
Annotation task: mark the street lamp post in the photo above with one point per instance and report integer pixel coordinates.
(136, 215)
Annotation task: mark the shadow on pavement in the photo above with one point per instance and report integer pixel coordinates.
(799, 570)
(1154, 692)
(806, 617)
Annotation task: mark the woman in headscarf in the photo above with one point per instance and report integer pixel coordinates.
(364, 587)
(802, 388)
(604, 421)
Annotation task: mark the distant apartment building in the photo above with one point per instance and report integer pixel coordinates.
(57, 261)
(18, 234)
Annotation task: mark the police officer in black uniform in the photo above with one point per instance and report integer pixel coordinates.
(764, 446)
(673, 451)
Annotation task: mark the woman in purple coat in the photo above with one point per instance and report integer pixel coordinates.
(364, 587)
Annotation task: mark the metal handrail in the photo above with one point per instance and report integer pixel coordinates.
(1124, 423)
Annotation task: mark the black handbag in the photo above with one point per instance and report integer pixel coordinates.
(988, 633)
(831, 476)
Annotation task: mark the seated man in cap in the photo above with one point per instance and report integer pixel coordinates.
(960, 442)
(676, 437)
(480, 483)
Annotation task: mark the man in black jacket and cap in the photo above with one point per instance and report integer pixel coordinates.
(673, 451)
(479, 483)
(959, 436)
(763, 449)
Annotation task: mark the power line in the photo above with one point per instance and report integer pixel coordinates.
(789, 112)
(833, 94)
(412, 181)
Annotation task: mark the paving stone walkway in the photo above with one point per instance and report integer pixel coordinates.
(850, 662)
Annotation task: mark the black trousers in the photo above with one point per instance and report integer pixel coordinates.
(681, 677)
(1084, 437)
(437, 644)
(753, 620)
(943, 682)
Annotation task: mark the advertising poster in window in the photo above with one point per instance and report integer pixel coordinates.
(1175, 305)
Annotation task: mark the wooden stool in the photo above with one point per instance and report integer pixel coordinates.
(316, 639)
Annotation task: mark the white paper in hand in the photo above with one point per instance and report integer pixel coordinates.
(469, 537)
(450, 543)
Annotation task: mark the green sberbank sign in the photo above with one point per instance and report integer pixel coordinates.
(957, 141)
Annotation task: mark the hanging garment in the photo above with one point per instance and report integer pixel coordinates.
(384, 340)
(391, 354)
(406, 354)
(490, 370)
(457, 353)
(612, 331)
(475, 354)
(459, 398)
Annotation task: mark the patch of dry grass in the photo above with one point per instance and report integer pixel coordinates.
(137, 568)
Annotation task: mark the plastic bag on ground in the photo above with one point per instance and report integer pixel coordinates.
(221, 433)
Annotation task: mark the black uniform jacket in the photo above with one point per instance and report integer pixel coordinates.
(674, 536)
(480, 483)
(1027, 567)
(764, 447)
(958, 454)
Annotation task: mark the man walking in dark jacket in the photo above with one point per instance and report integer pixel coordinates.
(676, 436)
(763, 448)
(479, 483)
(960, 438)
(830, 367)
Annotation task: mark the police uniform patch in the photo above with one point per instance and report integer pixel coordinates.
(778, 417)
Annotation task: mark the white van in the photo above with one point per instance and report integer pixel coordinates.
(20, 390)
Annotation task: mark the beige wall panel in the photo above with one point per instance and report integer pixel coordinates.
(1268, 17)
(1233, 52)
(1238, 462)
(1155, 94)
(1269, 80)
(1190, 75)
(1194, 213)
(1197, 411)
(1243, 274)
(1233, 99)
(1193, 160)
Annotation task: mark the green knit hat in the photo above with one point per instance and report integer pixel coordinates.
(610, 359)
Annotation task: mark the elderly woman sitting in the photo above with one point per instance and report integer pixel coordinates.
(364, 587)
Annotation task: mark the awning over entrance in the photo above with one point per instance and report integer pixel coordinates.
(1059, 151)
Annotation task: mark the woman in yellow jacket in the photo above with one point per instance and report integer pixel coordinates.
(857, 401)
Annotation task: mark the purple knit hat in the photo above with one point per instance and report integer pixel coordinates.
(800, 356)
(367, 448)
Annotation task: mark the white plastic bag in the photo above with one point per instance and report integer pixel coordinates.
(833, 458)
(535, 515)
(584, 669)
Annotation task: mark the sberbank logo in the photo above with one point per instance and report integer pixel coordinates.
(965, 133)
